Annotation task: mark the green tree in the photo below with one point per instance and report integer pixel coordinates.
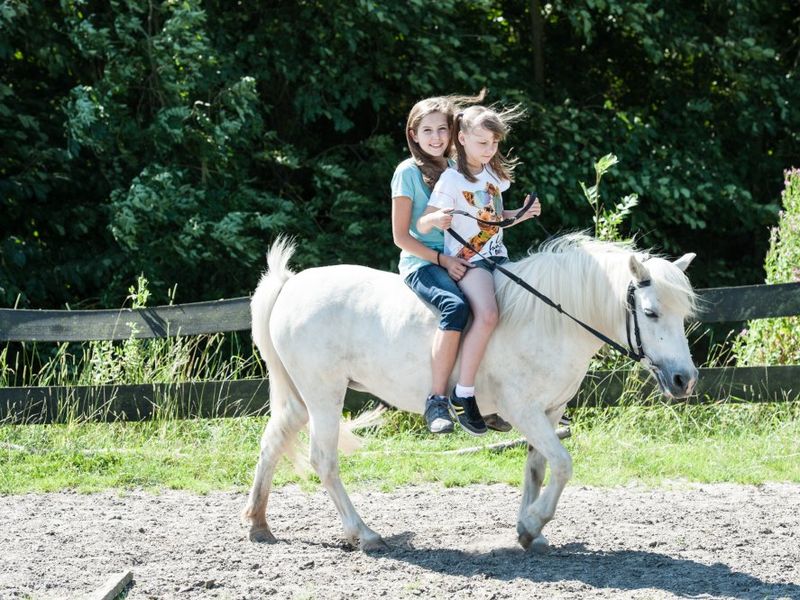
(176, 139)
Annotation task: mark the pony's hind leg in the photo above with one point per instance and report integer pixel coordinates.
(279, 434)
(324, 433)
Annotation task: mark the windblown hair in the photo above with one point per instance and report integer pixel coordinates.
(498, 122)
(589, 278)
(432, 167)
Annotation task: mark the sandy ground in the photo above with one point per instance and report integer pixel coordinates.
(707, 541)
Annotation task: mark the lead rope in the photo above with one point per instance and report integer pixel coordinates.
(634, 353)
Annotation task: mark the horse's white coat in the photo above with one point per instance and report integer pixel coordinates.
(328, 328)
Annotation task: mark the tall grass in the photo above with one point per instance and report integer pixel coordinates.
(170, 360)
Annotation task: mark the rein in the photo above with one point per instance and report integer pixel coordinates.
(634, 352)
(504, 222)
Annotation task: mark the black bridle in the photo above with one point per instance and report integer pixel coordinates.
(635, 350)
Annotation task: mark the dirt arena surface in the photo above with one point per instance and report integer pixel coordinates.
(684, 540)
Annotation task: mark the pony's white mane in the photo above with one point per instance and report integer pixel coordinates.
(589, 278)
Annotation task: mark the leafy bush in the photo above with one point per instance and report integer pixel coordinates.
(176, 139)
(777, 341)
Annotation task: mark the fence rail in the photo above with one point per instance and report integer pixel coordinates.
(718, 305)
(250, 397)
(123, 324)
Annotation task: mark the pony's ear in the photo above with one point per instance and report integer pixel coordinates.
(638, 270)
(684, 261)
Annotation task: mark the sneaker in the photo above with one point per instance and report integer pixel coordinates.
(467, 413)
(496, 422)
(437, 416)
(564, 431)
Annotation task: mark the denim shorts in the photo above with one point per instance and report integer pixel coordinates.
(489, 265)
(433, 285)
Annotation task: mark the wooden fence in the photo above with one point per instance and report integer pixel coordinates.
(236, 398)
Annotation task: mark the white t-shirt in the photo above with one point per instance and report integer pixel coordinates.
(483, 199)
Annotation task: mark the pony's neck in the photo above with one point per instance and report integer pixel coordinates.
(587, 279)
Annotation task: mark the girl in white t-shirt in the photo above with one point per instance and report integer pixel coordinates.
(475, 186)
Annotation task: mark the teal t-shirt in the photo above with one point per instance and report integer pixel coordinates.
(407, 181)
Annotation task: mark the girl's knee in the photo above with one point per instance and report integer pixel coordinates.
(487, 317)
(455, 315)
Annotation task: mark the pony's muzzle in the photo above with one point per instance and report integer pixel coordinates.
(682, 382)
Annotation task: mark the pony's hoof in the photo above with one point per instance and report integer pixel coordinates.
(373, 542)
(529, 531)
(539, 545)
(525, 539)
(524, 535)
(262, 535)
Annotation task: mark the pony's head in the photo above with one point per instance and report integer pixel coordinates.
(659, 310)
(591, 280)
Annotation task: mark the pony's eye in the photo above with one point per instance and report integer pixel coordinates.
(650, 314)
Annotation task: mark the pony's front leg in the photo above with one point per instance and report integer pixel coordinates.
(324, 434)
(533, 477)
(547, 447)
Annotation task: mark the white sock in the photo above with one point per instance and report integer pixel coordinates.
(463, 391)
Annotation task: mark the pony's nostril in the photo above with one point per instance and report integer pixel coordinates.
(679, 381)
(684, 382)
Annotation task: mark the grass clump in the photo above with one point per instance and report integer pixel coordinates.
(168, 361)
(651, 444)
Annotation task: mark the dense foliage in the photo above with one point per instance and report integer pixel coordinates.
(777, 341)
(177, 138)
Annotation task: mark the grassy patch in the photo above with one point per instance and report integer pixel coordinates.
(745, 444)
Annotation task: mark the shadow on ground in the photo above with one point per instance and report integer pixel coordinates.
(619, 569)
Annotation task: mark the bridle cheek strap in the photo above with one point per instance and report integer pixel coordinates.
(637, 350)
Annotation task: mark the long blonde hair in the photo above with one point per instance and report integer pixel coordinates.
(498, 123)
(432, 167)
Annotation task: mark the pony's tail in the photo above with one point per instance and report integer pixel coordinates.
(349, 441)
(286, 404)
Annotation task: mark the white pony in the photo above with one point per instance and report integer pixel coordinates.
(326, 329)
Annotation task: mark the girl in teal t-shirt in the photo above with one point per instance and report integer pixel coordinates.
(423, 266)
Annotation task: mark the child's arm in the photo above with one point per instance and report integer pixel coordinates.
(534, 211)
(401, 218)
(439, 209)
(401, 221)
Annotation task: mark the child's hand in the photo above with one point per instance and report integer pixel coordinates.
(456, 267)
(534, 211)
(442, 218)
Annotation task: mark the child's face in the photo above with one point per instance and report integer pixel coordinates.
(479, 144)
(433, 134)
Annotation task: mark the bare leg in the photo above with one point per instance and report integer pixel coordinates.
(443, 357)
(478, 286)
